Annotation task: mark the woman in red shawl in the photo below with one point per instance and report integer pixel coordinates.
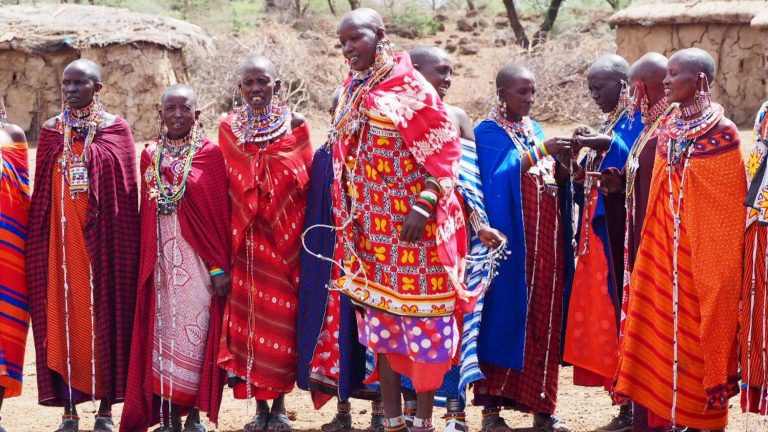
(82, 253)
(268, 156)
(402, 235)
(183, 275)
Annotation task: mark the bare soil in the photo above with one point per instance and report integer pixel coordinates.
(584, 409)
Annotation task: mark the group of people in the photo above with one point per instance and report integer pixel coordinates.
(411, 257)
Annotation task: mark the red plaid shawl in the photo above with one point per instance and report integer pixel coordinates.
(111, 239)
(204, 221)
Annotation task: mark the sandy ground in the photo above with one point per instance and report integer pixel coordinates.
(585, 409)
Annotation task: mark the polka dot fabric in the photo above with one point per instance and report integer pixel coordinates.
(420, 348)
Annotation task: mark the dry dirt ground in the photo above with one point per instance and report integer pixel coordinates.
(585, 409)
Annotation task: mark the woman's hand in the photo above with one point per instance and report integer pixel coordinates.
(221, 284)
(414, 224)
(611, 181)
(559, 147)
(491, 237)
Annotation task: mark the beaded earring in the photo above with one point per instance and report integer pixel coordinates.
(625, 98)
(640, 99)
(160, 127)
(236, 102)
(383, 52)
(703, 96)
(3, 113)
(502, 105)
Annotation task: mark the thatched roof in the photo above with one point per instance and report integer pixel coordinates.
(655, 12)
(761, 20)
(48, 27)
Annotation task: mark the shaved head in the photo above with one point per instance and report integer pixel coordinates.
(511, 71)
(87, 67)
(182, 90)
(335, 96)
(363, 17)
(650, 67)
(425, 54)
(696, 60)
(259, 61)
(610, 65)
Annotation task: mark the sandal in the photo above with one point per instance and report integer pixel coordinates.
(258, 424)
(103, 424)
(377, 423)
(342, 422)
(278, 422)
(549, 423)
(194, 426)
(69, 424)
(455, 422)
(492, 422)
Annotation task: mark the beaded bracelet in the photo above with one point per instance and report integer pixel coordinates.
(421, 211)
(429, 195)
(436, 183)
(477, 222)
(531, 157)
(543, 149)
(215, 271)
(426, 204)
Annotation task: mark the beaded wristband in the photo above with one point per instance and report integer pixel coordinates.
(420, 211)
(436, 183)
(215, 271)
(543, 149)
(426, 204)
(429, 196)
(531, 157)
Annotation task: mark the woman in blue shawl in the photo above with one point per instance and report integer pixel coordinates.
(524, 187)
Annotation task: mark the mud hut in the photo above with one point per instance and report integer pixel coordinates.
(139, 54)
(721, 27)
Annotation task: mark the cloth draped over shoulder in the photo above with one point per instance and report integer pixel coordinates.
(14, 305)
(591, 341)
(408, 109)
(709, 267)
(203, 215)
(268, 195)
(111, 236)
(753, 294)
(506, 303)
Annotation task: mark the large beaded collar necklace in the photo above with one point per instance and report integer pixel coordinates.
(182, 152)
(684, 132)
(259, 126)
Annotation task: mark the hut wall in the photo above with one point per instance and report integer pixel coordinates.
(737, 49)
(134, 77)
(30, 85)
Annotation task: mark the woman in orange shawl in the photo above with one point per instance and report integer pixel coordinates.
(678, 356)
(268, 157)
(14, 204)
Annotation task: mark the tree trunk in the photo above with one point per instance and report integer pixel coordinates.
(332, 6)
(471, 4)
(549, 22)
(514, 21)
(354, 4)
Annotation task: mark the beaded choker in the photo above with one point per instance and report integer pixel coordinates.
(684, 132)
(515, 130)
(346, 119)
(606, 127)
(656, 111)
(250, 126)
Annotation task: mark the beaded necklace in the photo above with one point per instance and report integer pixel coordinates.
(252, 126)
(87, 119)
(684, 132)
(521, 133)
(591, 164)
(655, 116)
(347, 118)
(74, 173)
(168, 194)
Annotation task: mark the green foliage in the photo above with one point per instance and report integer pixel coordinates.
(417, 22)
